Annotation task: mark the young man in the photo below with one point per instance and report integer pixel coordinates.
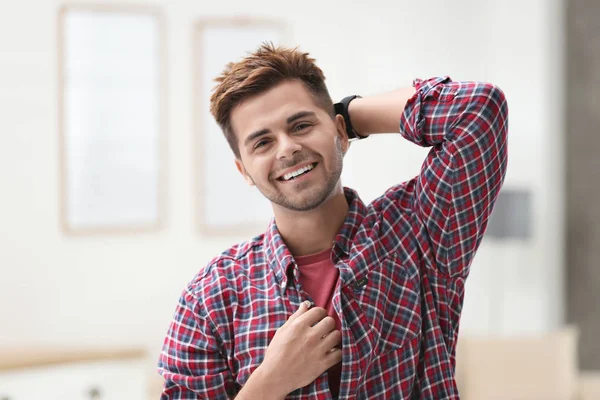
(338, 299)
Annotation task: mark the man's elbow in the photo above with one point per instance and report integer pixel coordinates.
(497, 110)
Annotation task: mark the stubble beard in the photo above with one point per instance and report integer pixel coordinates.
(313, 197)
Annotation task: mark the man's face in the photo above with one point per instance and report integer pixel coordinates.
(290, 148)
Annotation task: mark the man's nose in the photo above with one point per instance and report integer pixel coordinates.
(287, 147)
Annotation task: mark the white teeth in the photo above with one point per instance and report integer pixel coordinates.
(294, 174)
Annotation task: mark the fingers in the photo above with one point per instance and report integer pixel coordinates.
(324, 326)
(332, 340)
(333, 357)
(304, 306)
(312, 316)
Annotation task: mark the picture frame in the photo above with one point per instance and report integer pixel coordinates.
(111, 118)
(226, 204)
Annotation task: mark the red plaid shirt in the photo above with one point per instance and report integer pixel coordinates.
(403, 261)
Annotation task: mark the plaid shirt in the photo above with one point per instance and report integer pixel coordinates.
(403, 261)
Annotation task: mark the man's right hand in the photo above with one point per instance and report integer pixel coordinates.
(301, 350)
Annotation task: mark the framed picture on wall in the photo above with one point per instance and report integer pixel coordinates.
(111, 100)
(226, 204)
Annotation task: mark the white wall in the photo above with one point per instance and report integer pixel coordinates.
(123, 289)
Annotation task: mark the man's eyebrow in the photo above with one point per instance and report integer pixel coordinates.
(255, 135)
(299, 115)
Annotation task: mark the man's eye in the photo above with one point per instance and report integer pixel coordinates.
(261, 143)
(300, 127)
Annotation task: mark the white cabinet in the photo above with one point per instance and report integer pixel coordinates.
(80, 380)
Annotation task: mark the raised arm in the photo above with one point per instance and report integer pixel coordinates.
(466, 125)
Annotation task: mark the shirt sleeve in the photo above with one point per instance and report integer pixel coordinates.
(191, 361)
(466, 125)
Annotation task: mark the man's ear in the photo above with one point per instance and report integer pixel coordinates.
(240, 167)
(340, 125)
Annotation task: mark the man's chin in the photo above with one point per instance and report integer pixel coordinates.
(308, 202)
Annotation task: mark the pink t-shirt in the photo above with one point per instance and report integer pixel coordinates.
(318, 277)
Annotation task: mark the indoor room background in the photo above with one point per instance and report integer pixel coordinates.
(65, 286)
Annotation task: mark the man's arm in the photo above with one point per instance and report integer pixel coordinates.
(191, 361)
(379, 113)
(301, 350)
(193, 365)
(466, 125)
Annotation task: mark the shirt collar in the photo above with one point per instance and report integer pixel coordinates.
(279, 257)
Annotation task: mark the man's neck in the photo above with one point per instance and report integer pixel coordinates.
(310, 232)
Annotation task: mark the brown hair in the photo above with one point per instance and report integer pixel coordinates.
(258, 72)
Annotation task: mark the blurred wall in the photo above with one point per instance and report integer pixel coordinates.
(57, 289)
(583, 183)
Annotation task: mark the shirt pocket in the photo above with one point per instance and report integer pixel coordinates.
(390, 301)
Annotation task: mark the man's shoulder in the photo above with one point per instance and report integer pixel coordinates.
(240, 253)
(396, 202)
(391, 225)
(215, 290)
(229, 266)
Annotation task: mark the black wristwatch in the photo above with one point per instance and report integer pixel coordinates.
(342, 109)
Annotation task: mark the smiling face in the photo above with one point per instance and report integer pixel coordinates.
(290, 147)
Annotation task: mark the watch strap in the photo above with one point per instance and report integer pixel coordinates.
(342, 109)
